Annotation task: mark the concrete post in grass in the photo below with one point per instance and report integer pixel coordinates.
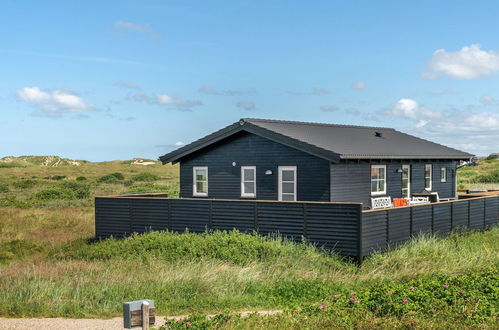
(139, 314)
(145, 315)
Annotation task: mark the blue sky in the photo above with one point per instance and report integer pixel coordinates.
(104, 80)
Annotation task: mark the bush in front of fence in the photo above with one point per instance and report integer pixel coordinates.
(231, 246)
(466, 300)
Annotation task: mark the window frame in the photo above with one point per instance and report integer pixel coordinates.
(243, 181)
(443, 174)
(279, 183)
(195, 181)
(430, 166)
(378, 193)
(408, 166)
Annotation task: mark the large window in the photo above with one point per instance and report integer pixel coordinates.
(378, 179)
(248, 181)
(427, 177)
(443, 174)
(287, 183)
(200, 181)
(406, 181)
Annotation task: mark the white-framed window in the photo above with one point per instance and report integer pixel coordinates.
(427, 176)
(406, 180)
(287, 183)
(443, 174)
(248, 181)
(200, 181)
(378, 180)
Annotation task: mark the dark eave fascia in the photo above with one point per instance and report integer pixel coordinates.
(453, 157)
(176, 155)
(242, 125)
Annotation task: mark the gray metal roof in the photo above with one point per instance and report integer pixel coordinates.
(330, 141)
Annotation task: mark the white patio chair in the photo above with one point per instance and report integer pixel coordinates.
(381, 202)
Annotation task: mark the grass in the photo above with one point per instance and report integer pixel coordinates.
(481, 177)
(51, 267)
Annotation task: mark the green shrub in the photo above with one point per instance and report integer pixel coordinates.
(232, 246)
(58, 177)
(65, 191)
(469, 300)
(25, 184)
(17, 249)
(128, 183)
(10, 165)
(111, 178)
(492, 177)
(171, 189)
(4, 187)
(146, 177)
(81, 178)
(14, 202)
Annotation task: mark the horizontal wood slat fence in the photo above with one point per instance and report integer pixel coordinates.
(342, 227)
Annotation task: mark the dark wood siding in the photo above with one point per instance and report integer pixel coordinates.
(351, 181)
(246, 149)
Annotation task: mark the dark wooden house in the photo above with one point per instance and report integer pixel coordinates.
(298, 161)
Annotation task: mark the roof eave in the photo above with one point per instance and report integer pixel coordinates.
(456, 157)
(242, 125)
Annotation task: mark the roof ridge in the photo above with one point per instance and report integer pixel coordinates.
(313, 123)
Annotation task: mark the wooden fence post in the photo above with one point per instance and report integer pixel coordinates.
(145, 315)
(305, 221)
(360, 245)
(469, 214)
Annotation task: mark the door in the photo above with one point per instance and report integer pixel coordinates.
(287, 183)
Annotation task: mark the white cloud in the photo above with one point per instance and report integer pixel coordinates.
(246, 105)
(167, 100)
(483, 121)
(352, 111)
(409, 108)
(488, 100)
(53, 103)
(328, 108)
(421, 123)
(320, 91)
(359, 85)
(468, 63)
(208, 90)
(472, 146)
(231, 92)
(127, 84)
(124, 26)
(179, 143)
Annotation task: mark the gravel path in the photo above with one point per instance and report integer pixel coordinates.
(89, 324)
